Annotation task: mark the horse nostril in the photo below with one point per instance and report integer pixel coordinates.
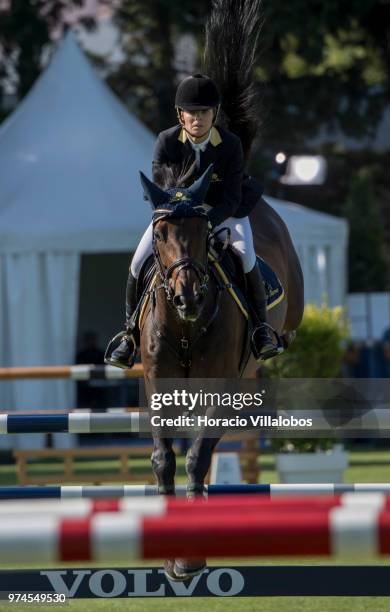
(199, 297)
(179, 301)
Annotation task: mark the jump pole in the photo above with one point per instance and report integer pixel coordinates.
(74, 422)
(160, 506)
(73, 372)
(105, 537)
(112, 491)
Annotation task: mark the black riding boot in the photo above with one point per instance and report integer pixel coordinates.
(263, 338)
(124, 355)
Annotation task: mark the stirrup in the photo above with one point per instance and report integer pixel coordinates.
(274, 352)
(276, 349)
(113, 345)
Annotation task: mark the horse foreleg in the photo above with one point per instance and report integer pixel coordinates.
(198, 463)
(164, 465)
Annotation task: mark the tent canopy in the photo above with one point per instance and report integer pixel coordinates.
(69, 161)
(307, 225)
(321, 241)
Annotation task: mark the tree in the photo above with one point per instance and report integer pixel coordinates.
(324, 71)
(324, 64)
(148, 77)
(26, 28)
(367, 266)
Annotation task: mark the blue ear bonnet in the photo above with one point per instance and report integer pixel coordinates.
(180, 203)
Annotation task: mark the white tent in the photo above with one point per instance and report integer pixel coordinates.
(70, 156)
(69, 185)
(321, 241)
(69, 161)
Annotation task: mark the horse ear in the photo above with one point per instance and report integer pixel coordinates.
(199, 188)
(152, 192)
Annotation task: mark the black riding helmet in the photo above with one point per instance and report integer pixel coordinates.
(196, 92)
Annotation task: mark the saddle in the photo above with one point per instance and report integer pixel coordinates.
(231, 271)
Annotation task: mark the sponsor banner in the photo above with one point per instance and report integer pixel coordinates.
(240, 581)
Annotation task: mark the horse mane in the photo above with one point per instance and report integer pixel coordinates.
(174, 175)
(232, 34)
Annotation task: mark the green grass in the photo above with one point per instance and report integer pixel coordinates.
(368, 466)
(202, 604)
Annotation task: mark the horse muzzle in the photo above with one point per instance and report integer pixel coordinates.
(188, 306)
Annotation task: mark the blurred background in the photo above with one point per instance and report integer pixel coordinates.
(85, 86)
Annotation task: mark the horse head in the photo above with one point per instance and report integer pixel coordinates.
(180, 240)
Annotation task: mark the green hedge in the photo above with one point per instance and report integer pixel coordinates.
(317, 352)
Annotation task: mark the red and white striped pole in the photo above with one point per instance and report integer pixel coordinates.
(160, 505)
(340, 531)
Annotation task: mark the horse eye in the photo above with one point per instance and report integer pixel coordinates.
(157, 235)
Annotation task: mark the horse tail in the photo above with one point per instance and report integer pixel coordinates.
(232, 34)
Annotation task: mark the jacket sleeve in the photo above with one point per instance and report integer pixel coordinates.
(232, 188)
(160, 156)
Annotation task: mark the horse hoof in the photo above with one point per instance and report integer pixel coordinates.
(185, 569)
(169, 570)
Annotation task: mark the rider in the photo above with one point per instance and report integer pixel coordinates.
(196, 139)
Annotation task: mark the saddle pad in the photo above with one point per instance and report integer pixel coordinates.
(273, 287)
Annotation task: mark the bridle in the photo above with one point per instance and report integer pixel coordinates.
(184, 263)
(184, 352)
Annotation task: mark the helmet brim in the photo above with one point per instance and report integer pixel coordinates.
(193, 107)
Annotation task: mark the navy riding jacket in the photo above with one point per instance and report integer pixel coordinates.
(231, 193)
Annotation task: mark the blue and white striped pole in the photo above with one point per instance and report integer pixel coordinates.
(76, 423)
(114, 491)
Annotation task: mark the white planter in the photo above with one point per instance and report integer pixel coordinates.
(321, 466)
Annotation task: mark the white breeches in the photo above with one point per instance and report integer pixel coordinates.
(241, 240)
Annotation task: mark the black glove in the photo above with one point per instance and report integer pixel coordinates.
(214, 216)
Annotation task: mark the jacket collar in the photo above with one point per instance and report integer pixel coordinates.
(215, 137)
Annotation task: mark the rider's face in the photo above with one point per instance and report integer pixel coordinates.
(198, 122)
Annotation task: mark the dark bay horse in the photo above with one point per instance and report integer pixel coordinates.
(192, 328)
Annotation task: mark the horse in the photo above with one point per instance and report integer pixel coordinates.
(192, 328)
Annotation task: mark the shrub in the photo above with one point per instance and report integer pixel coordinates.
(317, 352)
